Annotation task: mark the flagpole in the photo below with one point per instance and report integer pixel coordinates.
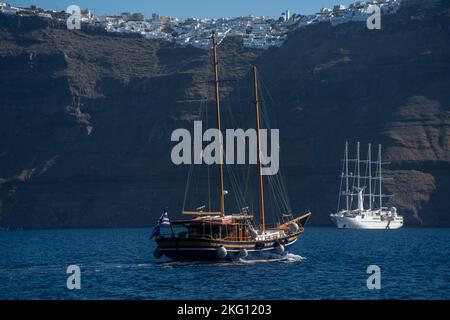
(173, 232)
(171, 228)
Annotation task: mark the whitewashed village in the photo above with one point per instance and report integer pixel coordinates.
(257, 32)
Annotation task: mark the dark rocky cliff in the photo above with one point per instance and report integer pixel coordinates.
(86, 117)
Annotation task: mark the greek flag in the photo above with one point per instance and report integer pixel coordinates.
(162, 222)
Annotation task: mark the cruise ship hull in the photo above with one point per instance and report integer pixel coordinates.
(358, 222)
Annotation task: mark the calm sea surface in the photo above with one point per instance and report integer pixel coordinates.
(325, 263)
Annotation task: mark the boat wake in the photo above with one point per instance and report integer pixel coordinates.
(290, 257)
(286, 258)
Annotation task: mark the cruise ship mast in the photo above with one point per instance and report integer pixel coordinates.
(380, 178)
(358, 167)
(346, 175)
(358, 177)
(369, 159)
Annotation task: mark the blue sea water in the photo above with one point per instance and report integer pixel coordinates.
(325, 263)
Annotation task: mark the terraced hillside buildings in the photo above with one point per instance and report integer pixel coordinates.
(257, 32)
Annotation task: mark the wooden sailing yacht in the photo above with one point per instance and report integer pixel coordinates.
(222, 236)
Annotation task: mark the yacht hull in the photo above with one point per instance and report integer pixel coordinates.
(191, 248)
(208, 250)
(357, 222)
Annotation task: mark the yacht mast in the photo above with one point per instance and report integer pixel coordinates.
(346, 174)
(258, 137)
(217, 93)
(379, 169)
(370, 175)
(357, 165)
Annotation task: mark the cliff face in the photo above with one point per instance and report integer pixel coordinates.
(86, 117)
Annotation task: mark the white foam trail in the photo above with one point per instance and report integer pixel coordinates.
(144, 265)
(290, 257)
(247, 261)
(287, 258)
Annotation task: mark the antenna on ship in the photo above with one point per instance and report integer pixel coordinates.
(346, 175)
(379, 169)
(369, 156)
(258, 139)
(217, 93)
(358, 166)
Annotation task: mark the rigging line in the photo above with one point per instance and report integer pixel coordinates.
(286, 202)
(236, 178)
(354, 180)
(273, 196)
(365, 179)
(340, 187)
(245, 174)
(197, 181)
(272, 209)
(280, 177)
(249, 195)
(246, 178)
(235, 187)
(208, 167)
(281, 188)
(274, 187)
(278, 209)
(238, 95)
(233, 179)
(266, 89)
(265, 116)
(281, 182)
(271, 102)
(231, 182)
(235, 95)
(284, 197)
(272, 199)
(244, 200)
(239, 197)
(266, 113)
(283, 210)
(376, 184)
(238, 189)
(188, 181)
(228, 109)
(190, 184)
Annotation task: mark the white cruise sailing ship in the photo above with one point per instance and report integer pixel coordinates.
(363, 205)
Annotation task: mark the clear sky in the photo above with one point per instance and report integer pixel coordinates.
(188, 8)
